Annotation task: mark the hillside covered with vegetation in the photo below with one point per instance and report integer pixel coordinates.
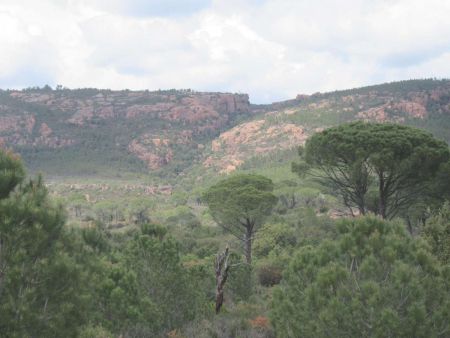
(104, 133)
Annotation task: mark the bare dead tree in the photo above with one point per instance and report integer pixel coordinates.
(221, 268)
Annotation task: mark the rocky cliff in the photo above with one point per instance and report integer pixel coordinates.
(284, 125)
(151, 126)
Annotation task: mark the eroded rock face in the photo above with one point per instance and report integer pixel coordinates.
(18, 129)
(45, 130)
(189, 107)
(10, 123)
(147, 109)
(256, 138)
(377, 114)
(17, 123)
(274, 132)
(181, 116)
(46, 138)
(394, 111)
(81, 116)
(155, 152)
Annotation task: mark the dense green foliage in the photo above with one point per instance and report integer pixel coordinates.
(144, 290)
(437, 233)
(41, 279)
(12, 173)
(55, 282)
(373, 281)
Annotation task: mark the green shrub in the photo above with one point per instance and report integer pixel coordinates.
(269, 275)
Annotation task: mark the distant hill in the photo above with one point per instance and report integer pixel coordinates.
(102, 132)
(274, 129)
(91, 132)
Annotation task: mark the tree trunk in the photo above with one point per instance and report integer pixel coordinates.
(382, 196)
(248, 245)
(382, 208)
(362, 210)
(409, 225)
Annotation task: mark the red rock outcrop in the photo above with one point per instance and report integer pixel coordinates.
(155, 152)
(233, 147)
(45, 130)
(394, 111)
(190, 107)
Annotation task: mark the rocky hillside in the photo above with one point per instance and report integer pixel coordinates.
(281, 126)
(101, 132)
(89, 131)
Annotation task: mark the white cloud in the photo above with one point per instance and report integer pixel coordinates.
(272, 49)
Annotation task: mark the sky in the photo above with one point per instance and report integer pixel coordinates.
(270, 49)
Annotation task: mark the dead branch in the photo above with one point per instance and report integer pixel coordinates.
(221, 268)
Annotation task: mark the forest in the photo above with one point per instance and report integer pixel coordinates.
(353, 241)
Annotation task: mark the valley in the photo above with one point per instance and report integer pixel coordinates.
(144, 185)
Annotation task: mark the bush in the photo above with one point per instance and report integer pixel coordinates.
(269, 275)
(240, 282)
(274, 237)
(437, 234)
(154, 230)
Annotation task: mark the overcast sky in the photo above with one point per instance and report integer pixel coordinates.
(271, 49)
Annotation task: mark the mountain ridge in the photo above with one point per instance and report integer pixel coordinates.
(92, 131)
(144, 126)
